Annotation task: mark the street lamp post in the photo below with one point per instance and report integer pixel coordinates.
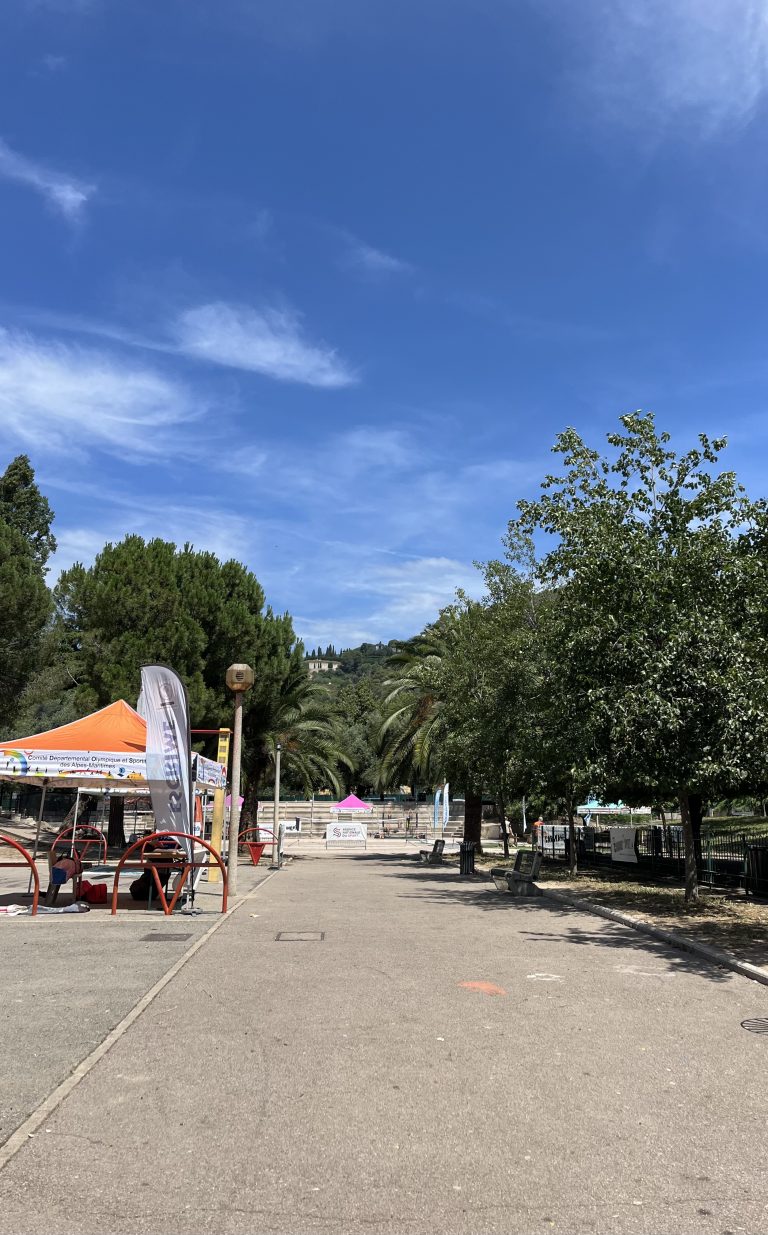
(239, 679)
(276, 812)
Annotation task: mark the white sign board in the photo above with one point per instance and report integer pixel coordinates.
(623, 845)
(77, 764)
(292, 825)
(206, 772)
(552, 838)
(340, 835)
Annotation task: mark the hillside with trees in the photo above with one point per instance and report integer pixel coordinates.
(620, 648)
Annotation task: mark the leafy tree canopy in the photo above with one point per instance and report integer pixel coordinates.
(656, 620)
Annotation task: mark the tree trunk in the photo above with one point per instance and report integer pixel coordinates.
(503, 818)
(691, 876)
(250, 808)
(696, 806)
(572, 857)
(116, 827)
(473, 817)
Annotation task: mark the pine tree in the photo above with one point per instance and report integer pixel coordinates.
(23, 507)
(25, 543)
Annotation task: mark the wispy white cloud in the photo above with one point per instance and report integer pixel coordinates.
(261, 226)
(217, 531)
(268, 341)
(355, 552)
(698, 63)
(370, 260)
(53, 63)
(57, 397)
(400, 598)
(116, 511)
(62, 192)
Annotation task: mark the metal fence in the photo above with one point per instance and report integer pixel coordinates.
(727, 859)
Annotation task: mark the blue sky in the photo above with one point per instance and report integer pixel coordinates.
(315, 283)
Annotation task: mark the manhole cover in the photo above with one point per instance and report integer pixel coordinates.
(162, 938)
(758, 1024)
(300, 937)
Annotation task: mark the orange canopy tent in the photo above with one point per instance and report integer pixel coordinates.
(99, 751)
(104, 750)
(117, 727)
(105, 747)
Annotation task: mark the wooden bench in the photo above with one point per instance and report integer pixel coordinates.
(520, 879)
(433, 856)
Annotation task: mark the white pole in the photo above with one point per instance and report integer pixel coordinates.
(74, 827)
(104, 804)
(234, 811)
(37, 831)
(276, 810)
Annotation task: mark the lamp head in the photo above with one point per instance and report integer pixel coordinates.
(239, 677)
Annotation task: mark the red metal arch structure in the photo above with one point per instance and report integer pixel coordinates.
(260, 829)
(143, 863)
(28, 861)
(85, 836)
(255, 848)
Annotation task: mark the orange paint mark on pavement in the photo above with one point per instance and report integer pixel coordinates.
(485, 988)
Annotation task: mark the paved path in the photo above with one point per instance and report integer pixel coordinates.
(353, 1084)
(67, 980)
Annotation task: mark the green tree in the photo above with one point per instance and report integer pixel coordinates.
(25, 543)
(656, 619)
(151, 601)
(301, 716)
(23, 507)
(489, 682)
(359, 705)
(24, 610)
(415, 732)
(412, 729)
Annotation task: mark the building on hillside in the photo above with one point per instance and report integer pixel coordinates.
(322, 664)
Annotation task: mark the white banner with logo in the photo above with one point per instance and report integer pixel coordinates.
(73, 764)
(623, 844)
(353, 834)
(163, 704)
(209, 773)
(436, 820)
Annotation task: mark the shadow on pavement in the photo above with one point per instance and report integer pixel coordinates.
(432, 885)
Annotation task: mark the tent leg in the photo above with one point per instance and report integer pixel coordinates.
(37, 832)
(77, 812)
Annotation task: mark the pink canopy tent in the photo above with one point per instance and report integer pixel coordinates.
(351, 805)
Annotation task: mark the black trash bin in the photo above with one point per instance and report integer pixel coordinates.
(756, 877)
(467, 857)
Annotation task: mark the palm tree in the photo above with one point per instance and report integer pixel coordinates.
(300, 715)
(412, 728)
(414, 732)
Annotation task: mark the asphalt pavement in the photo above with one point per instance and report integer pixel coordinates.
(366, 1046)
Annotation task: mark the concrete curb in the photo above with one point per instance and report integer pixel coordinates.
(45, 1109)
(714, 955)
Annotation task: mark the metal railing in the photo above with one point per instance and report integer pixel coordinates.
(727, 859)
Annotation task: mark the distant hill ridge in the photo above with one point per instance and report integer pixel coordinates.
(356, 662)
